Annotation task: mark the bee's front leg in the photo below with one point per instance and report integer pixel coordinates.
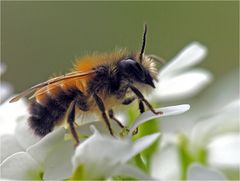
(111, 115)
(128, 101)
(142, 99)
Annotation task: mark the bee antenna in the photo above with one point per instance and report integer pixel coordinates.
(143, 42)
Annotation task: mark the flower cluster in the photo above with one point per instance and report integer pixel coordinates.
(155, 152)
(99, 156)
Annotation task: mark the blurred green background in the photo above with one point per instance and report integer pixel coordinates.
(42, 38)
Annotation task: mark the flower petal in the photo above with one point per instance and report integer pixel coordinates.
(58, 165)
(182, 85)
(23, 133)
(130, 171)
(84, 129)
(5, 91)
(224, 121)
(224, 151)
(21, 166)
(2, 68)
(165, 163)
(99, 150)
(140, 145)
(198, 172)
(189, 56)
(9, 114)
(167, 111)
(9, 146)
(46, 145)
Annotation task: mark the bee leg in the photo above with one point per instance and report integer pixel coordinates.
(142, 110)
(111, 115)
(142, 98)
(141, 106)
(70, 120)
(128, 100)
(101, 107)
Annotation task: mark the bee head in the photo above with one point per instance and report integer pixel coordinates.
(134, 71)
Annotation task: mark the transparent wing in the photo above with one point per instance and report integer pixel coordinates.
(72, 75)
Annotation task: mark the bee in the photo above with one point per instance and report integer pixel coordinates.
(99, 83)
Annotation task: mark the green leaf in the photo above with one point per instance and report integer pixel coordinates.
(142, 160)
(185, 156)
(78, 173)
(201, 156)
(122, 178)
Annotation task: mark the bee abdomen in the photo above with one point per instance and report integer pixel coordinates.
(45, 116)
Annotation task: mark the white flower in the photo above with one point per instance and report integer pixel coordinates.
(223, 151)
(5, 88)
(104, 156)
(50, 158)
(165, 163)
(198, 172)
(15, 134)
(220, 138)
(176, 81)
(9, 113)
(224, 121)
(167, 111)
(210, 128)
(217, 135)
(33, 164)
(22, 138)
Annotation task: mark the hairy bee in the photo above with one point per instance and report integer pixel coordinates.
(97, 85)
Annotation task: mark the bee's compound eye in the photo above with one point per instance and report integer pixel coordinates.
(133, 68)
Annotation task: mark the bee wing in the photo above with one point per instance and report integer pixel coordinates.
(72, 75)
(38, 93)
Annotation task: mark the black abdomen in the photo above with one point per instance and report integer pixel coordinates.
(45, 116)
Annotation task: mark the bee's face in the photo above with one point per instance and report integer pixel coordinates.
(135, 71)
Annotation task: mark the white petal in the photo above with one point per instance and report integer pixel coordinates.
(84, 129)
(46, 145)
(24, 134)
(182, 85)
(224, 151)
(198, 172)
(140, 145)
(189, 56)
(130, 171)
(100, 150)
(9, 114)
(97, 151)
(58, 165)
(2, 68)
(5, 91)
(9, 146)
(20, 166)
(225, 120)
(167, 111)
(165, 163)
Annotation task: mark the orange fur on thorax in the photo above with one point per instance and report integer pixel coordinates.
(82, 64)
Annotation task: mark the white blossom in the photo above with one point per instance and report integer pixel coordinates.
(5, 88)
(217, 134)
(176, 81)
(198, 172)
(50, 158)
(9, 113)
(101, 150)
